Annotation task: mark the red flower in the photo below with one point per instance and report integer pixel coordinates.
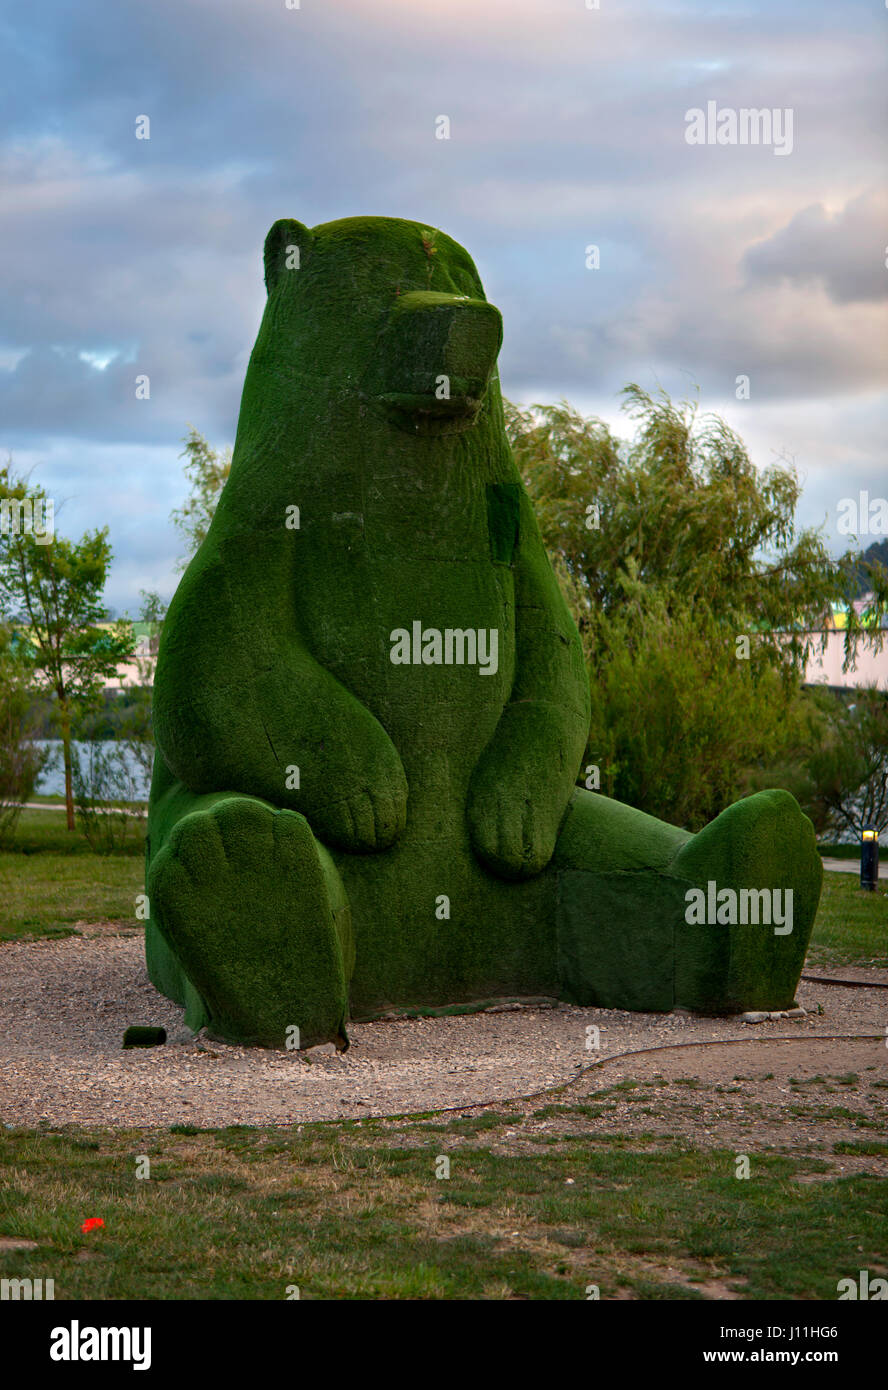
(91, 1223)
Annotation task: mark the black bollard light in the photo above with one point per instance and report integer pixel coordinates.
(869, 859)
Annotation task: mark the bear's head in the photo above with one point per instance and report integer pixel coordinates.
(389, 308)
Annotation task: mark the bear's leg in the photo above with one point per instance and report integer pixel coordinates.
(640, 922)
(763, 851)
(252, 908)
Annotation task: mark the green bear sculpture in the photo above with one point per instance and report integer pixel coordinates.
(371, 705)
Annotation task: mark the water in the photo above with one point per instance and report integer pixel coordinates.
(52, 781)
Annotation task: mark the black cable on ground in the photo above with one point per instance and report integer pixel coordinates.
(852, 984)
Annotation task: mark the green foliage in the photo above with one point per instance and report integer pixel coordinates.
(875, 554)
(680, 726)
(670, 547)
(118, 712)
(106, 794)
(848, 767)
(137, 725)
(276, 694)
(54, 587)
(683, 509)
(126, 714)
(271, 656)
(207, 470)
(21, 762)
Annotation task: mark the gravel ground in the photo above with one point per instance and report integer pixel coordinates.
(64, 1006)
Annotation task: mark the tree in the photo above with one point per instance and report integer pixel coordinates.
(680, 727)
(695, 594)
(53, 587)
(106, 792)
(207, 470)
(136, 729)
(682, 506)
(21, 760)
(848, 768)
(875, 554)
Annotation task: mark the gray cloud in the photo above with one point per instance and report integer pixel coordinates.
(568, 129)
(843, 251)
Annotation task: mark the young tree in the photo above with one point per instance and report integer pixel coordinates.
(136, 729)
(21, 761)
(207, 470)
(54, 587)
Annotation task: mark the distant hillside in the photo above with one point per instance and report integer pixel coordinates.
(875, 553)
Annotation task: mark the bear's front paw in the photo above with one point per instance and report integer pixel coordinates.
(364, 821)
(509, 833)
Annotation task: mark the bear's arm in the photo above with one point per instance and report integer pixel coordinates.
(241, 705)
(523, 781)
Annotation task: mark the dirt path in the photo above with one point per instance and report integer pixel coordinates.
(811, 1095)
(64, 1006)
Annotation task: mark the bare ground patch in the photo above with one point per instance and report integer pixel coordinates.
(65, 1004)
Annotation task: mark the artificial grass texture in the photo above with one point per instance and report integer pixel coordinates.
(443, 853)
(51, 878)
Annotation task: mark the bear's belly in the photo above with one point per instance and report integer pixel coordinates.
(432, 928)
(427, 645)
(459, 931)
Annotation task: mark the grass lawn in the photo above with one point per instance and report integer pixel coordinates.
(355, 1210)
(851, 927)
(50, 878)
(533, 1208)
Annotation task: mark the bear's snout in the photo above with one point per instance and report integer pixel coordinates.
(438, 353)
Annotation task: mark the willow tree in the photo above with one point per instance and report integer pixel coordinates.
(696, 592)
(207, 470)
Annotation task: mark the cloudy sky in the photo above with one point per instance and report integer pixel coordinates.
(567, 129)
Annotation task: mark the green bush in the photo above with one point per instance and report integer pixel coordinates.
(848, 765)
(21, 761)
(682, 726)
(106, 793)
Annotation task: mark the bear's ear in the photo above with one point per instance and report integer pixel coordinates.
(286, 248)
